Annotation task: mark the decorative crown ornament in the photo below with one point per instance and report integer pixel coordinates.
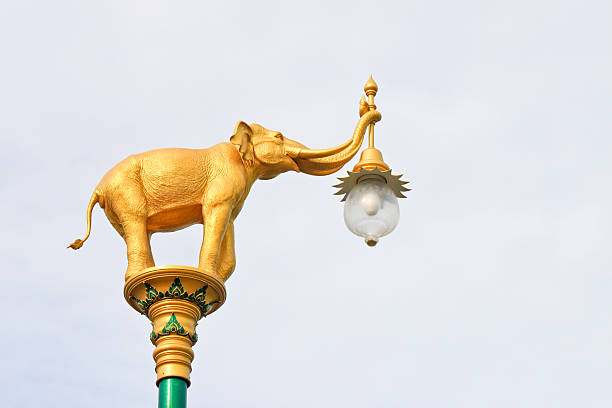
(393, 181)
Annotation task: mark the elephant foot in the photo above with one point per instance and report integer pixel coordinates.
(223, 276)
(210, 271)
(130, 272)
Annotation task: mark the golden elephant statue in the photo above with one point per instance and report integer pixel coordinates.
(169, 189)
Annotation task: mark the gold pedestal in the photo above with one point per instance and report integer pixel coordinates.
(174, 298)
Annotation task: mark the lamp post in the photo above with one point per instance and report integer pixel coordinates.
(166, 190)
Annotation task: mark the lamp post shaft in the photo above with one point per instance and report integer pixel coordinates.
(371, 88)
(172, 393)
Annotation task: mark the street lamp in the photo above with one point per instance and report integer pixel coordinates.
(165, 190)
(370, 190)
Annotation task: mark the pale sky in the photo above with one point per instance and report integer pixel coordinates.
(493, 291)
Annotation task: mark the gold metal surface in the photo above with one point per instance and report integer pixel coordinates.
(371, 89)
(370, 159)
(166, 190)
(162, 277)
(173, 354)
(166, 297)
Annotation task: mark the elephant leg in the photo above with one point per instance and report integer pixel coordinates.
(150, 261)
(112, 218)
(216, 218)
(138, 249)
(227, 255)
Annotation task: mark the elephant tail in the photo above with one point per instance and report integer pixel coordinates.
(95, 198)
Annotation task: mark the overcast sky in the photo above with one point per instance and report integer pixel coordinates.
(493, 291)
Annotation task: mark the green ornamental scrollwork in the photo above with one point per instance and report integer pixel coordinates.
(173, 327)
(175, 291)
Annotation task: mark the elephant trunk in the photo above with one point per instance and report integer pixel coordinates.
(327, 161)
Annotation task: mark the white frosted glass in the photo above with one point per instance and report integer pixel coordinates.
(371, 210)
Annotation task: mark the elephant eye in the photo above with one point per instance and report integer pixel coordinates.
(278, 136)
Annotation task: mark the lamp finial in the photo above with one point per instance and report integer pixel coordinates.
(370, 87)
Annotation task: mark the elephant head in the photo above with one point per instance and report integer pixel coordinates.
(272, 153)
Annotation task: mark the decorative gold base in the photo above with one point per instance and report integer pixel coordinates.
(174, 298)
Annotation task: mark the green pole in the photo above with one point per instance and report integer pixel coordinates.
(172, 393)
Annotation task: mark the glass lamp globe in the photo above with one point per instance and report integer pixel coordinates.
(371, 210)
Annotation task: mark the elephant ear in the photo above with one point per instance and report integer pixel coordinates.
(243, 138)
